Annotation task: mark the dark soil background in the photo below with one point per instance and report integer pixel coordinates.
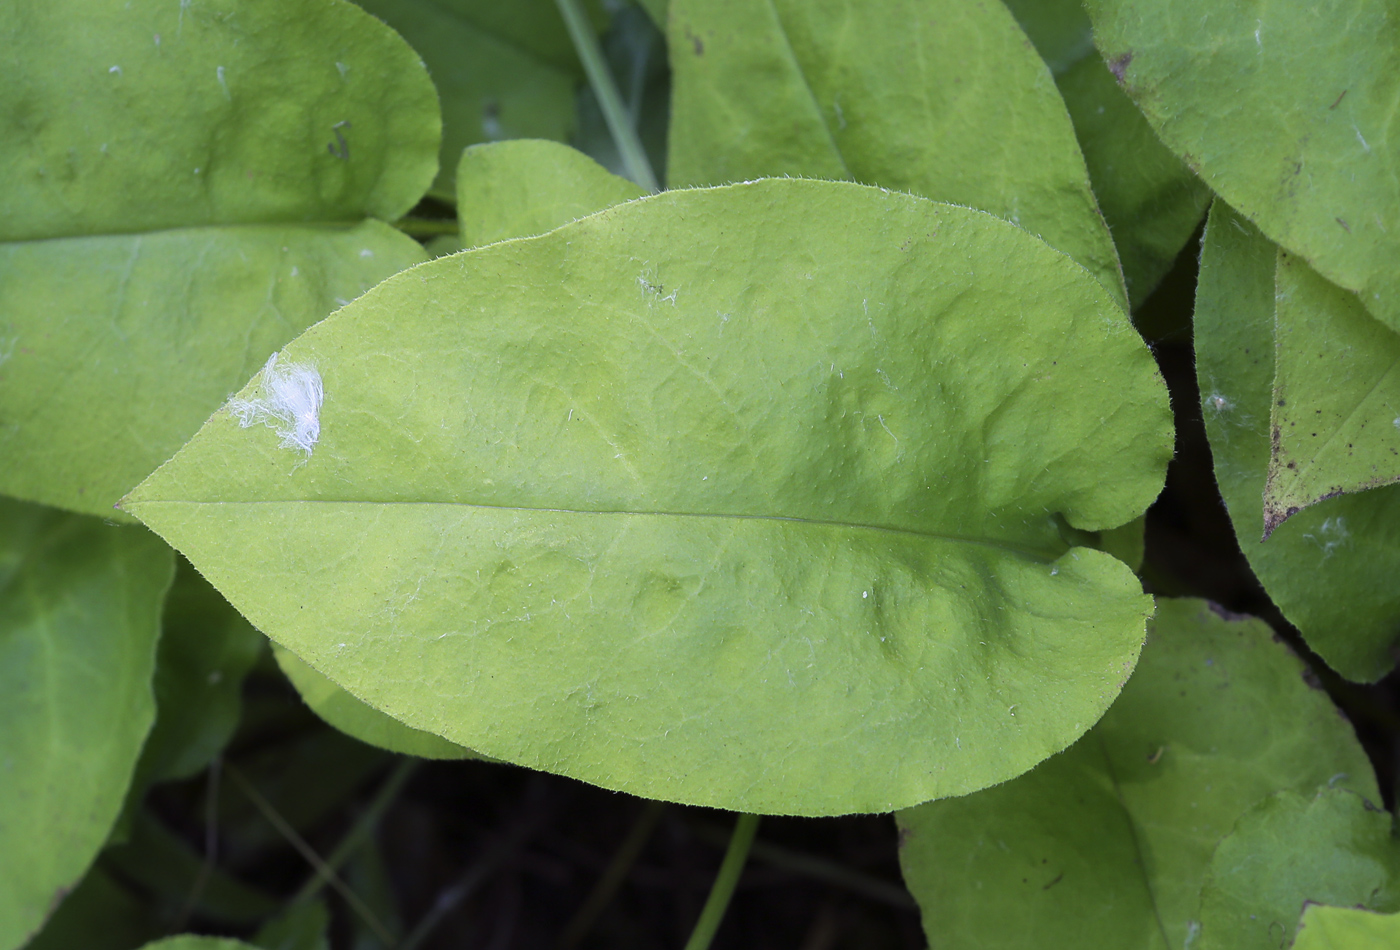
(477, 854)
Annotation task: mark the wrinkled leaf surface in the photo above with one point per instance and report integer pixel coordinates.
(771, 527)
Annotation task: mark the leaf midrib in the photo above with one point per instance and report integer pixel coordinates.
(1039, 556)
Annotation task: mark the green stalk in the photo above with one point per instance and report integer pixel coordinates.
(629, 146)
(725, 882)
(361, 830)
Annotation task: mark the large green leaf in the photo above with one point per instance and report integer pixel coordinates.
(184, 196)
(1336, 400)
(746, 496)
(887, 94)
(1284, 109)
(516, 189)
(1108, 843)
(502, 70)
(1150, 199)
(1346, 928)
(1331, 567)
(80, 609)
(359, 719)
(1330, 848)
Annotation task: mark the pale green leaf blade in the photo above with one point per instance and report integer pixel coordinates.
(1108, 843)
(1346, 928)
(657, 10)
(502, 70)
(884, 94)
(301, 926)
(80, 609)
(1331, 567)
(1336, 399)
(359, 719)
(1150, 199)
(184, 196)
(1284, 110)
(169, 115)
(120, 346)
(517, 189)
(1334, 847)
(759, 528)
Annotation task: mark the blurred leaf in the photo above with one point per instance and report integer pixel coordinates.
(206, 648)
(1330, 568)
(165, 865)
(1346, 928)
(518, 189)
(100, 914)
(885, 94)
(185, 195)
(300, 927)
(1285, 110)
(1336, 398)
(190, 942)
(502, 70)
(1289, 850)
(762, 527)
(359, 719)
(1150, 199)
(1108, 843)
(79, 616)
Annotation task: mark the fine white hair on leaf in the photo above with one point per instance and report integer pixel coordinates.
(290, 403)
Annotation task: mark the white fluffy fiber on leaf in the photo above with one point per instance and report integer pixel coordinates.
(290, 403)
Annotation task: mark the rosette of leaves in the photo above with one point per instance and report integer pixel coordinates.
(193, 186)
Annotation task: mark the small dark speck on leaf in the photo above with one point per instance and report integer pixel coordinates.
(1311, 679)
(1345, 227)
(1339, 100)
(1119, 65)
(1058, 878)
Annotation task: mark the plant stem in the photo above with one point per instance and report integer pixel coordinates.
(629, 146)
(362, 828)
(725, 882)
(613, 877)
(310, 855)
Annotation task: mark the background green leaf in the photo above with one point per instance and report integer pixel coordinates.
(356, 718)
(1108, 843)
(1346, 928)
(1284, 110)
(1336, 399)
(1334, 847)
(1150, 199)
(761, 527)
(184, 196)
(80, 609)
(502, 70)
(884, 94)
(1330, 568)
(206, 649)
(516, 189)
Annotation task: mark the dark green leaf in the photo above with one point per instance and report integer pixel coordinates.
(80, 609)
(1285, 110)
(1331, 567)
(1150, 199)
(1108, 843)
(1334, 847)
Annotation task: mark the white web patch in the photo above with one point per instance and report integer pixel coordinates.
(290, 403)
